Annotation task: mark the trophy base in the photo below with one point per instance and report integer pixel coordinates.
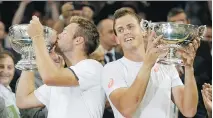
(26, 65)
(172, 61)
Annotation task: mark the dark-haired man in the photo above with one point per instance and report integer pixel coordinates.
(138, 87)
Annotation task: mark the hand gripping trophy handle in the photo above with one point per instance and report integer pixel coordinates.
(145, 25)
(201, 31)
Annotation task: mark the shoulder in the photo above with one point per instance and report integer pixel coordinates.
(113, 65)
(88, 66)
(87, 62)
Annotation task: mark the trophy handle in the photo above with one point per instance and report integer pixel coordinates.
(201, 31)
(145, 25)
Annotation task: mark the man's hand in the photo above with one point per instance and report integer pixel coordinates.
(26, 2)
(35, 28)
(62, 63)
(188, 53)
(153, 49)
(207, 97)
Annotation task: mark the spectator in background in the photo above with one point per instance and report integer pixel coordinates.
(88, 11)
(3, 40)
(3, 108)
(108, 44)
(108, 41)
(51, 13)
(67, 10)
(2, 35)
(7, 70)
(177, 15)
(202, 62)
(98, 55)
(73, 9)
(199, 12)
(20, 18)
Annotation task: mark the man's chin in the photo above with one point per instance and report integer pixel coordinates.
(4, 82)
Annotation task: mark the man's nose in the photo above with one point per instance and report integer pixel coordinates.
(127, 31)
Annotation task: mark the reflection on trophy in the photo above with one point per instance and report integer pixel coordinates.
(175, 36)
(22, 43)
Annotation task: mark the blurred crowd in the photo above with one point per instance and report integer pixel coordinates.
(57, 16)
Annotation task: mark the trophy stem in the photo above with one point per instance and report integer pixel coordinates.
(171, 53)
(27, 63)
(171, 58)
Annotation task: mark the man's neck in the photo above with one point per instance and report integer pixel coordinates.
(106, 47)
(72, 58)
(136, 55)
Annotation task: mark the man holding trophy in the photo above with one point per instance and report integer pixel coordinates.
(80, 94)
(137, 86)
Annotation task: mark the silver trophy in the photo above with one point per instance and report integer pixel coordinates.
(22, 43)
(175, 36)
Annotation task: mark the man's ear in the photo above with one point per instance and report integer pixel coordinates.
(79, 40)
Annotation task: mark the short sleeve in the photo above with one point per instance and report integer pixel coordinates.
(113, 77)
(88, 73)
(43, 94)
(176, 81)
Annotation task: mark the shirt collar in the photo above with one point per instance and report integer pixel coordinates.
(112, 51)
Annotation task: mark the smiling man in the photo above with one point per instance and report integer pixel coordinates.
(138, 87)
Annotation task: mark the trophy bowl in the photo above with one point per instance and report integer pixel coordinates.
(175, 36)
(22, 43)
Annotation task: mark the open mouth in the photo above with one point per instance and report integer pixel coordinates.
(129, 39)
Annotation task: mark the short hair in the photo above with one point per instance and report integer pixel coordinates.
(123, 12)
(88, 31)
(100, 23)
(174, 11)
(5, 53)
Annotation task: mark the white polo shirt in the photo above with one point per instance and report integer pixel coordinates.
(84, 101)
(157, 98)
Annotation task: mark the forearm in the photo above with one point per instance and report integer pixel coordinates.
(45, 64)
(59, 26)
(25, 87)
(19, 14)
(134, 95)
(55, 13)
(190, 100)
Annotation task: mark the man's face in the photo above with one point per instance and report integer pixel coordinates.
(7, 70)
(179, 18)
(54, 56)
(2, 30)
(129, 32)
(107, 35)
(65, 39)
(87, 12)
